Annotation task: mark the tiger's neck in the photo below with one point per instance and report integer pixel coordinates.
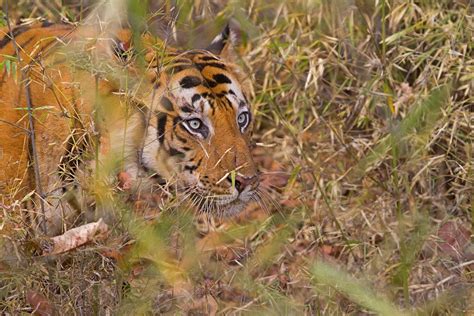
(144, 158)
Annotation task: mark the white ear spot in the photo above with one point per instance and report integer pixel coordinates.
(220, 42)
(217, 39)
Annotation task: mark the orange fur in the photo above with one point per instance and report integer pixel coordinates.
(76, 84)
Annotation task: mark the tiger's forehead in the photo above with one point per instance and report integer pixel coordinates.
(198, 80)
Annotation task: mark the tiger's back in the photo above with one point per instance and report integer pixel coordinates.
(48, 101)
(62, 99)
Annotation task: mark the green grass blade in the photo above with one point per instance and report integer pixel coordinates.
(355, 290)
(420, 121)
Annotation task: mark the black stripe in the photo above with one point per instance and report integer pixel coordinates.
(180, 67)
(158, 179)
(221, 78)
(182, 61)
(201, 66)
(210, 99)
(161, 125)
(199, 163)
(193, 167)
(166, 103)
(206, 95)
(187, 109)
(175, 152)
(190, 168)
(190, 82)
(211, 84)
(195, 97)
(177, 120)
(182, 128)
(208, 58)
(27, 41)
(227, 104)
(181, 139)
(17, 31)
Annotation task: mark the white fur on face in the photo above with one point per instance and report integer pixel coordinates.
(202, 108)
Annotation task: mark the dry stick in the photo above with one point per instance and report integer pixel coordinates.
(31, 130)
(15, 125)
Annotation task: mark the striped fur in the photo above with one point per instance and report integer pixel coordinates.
(184, 118)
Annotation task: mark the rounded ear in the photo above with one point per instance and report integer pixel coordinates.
(224, 44)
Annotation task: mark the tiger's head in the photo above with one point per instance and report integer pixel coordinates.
(200, 126)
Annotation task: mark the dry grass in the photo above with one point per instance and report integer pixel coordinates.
(365, 112)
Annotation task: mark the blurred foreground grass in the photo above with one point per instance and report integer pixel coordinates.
(366, 108)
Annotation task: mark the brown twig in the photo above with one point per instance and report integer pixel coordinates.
(31, 130)
(15, 125)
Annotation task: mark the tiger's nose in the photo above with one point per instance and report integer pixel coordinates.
(242, 182)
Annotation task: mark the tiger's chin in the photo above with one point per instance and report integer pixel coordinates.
(232, 205)
(233, 208)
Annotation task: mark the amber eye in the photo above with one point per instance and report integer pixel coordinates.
(243, 120)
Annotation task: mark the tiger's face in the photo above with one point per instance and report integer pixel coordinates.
(200, 133)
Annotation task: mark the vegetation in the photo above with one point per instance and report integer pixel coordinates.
(364, 116)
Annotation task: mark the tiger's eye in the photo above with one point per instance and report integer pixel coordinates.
(195, 123)
(243, 119)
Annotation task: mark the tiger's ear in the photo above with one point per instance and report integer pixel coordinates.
(223, 45)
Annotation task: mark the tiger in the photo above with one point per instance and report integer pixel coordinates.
(81, 95)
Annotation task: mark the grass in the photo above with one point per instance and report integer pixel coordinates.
(365, 108)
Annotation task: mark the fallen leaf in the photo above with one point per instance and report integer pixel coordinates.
(453, 238)
(74, 238)
(39, 303)
(124, 180)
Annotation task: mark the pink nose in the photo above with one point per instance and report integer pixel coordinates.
(242, 182)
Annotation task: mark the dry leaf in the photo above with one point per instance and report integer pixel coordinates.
(453, 239)
(124, 180)
(40, 304)
(75, 237)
